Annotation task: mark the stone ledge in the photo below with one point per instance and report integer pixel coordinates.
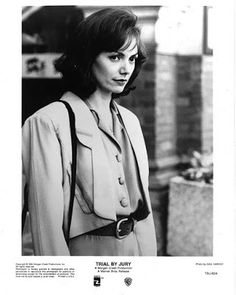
(190, 218)
(200, 184)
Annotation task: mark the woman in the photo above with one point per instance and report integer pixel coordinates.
(111, 212)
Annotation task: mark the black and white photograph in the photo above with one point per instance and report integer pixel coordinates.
(124, 153)
(117, 69)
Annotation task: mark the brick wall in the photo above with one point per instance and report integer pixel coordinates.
(194, 104)
(189, 103)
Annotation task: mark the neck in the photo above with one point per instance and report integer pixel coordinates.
(100, 102)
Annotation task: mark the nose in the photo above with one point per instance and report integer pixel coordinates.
(125, 68)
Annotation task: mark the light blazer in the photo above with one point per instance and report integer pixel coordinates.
(47, 157)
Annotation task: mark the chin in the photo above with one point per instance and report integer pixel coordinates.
(118, 90)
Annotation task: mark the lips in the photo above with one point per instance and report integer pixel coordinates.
(120, 81)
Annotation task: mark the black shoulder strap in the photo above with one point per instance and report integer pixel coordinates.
(73, 172)
(25, 208)
(73, 167)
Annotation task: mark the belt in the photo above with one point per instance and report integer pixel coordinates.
(124, 224)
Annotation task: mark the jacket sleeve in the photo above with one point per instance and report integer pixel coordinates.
(42, 166)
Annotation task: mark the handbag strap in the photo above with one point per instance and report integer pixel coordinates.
(25, 208)
(73, 166)
(73, 172)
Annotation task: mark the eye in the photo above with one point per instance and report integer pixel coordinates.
(114, 57)
(133, 58)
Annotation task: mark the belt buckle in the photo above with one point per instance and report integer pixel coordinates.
(119, 230)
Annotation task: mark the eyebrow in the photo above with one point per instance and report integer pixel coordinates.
(120, 52)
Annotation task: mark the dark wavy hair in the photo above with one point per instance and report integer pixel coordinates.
(106, 30)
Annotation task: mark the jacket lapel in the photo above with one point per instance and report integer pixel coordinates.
(88, 134)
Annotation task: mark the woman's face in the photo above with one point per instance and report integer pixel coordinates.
(112, 70)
